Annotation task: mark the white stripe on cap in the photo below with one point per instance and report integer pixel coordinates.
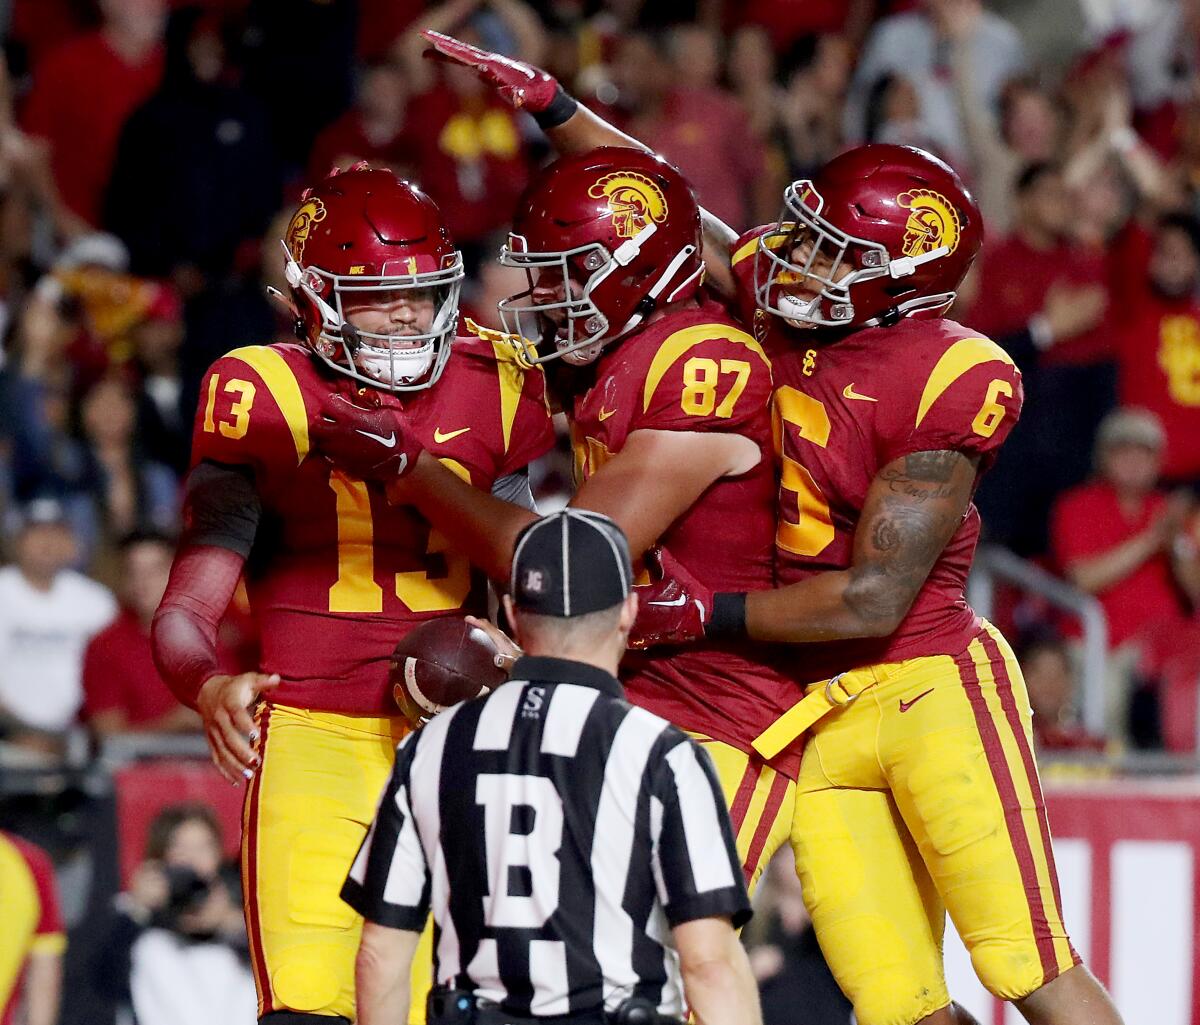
(566, 562)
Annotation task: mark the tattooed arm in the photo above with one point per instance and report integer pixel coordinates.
(914, 506)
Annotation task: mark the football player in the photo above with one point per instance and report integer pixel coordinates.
(918, 791)
(671, 430)
(335, 573)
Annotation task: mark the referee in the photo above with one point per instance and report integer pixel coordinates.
(575, 850)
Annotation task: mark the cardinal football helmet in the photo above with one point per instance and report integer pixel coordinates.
(882, 232)
(619, 231)
(367, 231)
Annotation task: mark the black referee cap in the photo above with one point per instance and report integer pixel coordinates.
(569, 564)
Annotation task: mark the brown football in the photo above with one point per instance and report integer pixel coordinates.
(440, 663)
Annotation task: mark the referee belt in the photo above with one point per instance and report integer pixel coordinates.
(821, 699)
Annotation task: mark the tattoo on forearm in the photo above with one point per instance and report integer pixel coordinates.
(932, 467)
(909, 527)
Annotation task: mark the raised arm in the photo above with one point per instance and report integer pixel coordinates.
(572, 128)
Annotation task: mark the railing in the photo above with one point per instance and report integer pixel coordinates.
(993, 562)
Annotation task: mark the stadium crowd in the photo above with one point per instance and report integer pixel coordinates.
(151, 153)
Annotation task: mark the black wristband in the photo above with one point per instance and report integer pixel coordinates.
(562, 108)
(728, 615)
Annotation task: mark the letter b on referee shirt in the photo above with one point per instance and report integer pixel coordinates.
(523, 817)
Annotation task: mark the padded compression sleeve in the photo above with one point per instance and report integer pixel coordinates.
(221, 514)
(184, 634)
(221, 507)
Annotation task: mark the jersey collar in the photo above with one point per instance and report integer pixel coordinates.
(562, 670)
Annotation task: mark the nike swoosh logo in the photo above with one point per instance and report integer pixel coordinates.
(440, 438)
(906, 705)
(670, 604)
(388, 442)
(604, 415)
(850, 393)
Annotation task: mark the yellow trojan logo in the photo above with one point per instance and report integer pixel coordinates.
(301, 226)
(932, 224)
(633, 199)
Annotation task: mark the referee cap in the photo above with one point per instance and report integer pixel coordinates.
(569, 564)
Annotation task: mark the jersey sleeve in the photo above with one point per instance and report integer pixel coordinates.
(526, 425)
(49, 935)
(969, 402)
(708, 377)
(529, 433)
(251, 411)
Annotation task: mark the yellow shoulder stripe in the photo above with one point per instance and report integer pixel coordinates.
(963, 355)
(284, 389)
(512, 384)
(675, 345)
(748, 249)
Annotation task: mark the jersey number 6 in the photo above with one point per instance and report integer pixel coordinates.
(812, 531)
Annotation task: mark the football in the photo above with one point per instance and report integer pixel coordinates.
(441, 663)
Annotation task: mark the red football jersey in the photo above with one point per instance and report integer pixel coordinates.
(842, 411)
(697, 371)
(338, 574)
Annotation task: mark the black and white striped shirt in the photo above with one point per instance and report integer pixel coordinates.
(557, 833)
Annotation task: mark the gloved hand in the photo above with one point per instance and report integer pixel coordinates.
(673, 608)
(521, 85)
(370, 443)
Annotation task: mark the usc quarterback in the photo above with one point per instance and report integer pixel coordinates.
(335, 573)
(669, 414)
(918, 793)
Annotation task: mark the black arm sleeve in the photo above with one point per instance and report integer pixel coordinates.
(221, 507)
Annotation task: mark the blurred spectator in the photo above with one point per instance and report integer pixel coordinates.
(701, 129)
(1024, 130)
(895, 115)
(33, 939)
(790, 21)
(85, 88)
(1051, 681)
(127, 490)
(163, 422)
(1122, 539)
(812, 108)
(372, 130)
(48, 613)
(210, 139)
(751, 71)
(794, 982)
(1157, 277)
(122, 690)
(918, 46)
(1043, 298)
(471, 154)
(176, 947)
(1163, 58)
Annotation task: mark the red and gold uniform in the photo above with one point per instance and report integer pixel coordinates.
(32, 923)
(337, 575)
(919, 795)
(697, 371)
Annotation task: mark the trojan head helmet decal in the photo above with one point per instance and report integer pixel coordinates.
(311, 212)
(634, 200)
(932, 223)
